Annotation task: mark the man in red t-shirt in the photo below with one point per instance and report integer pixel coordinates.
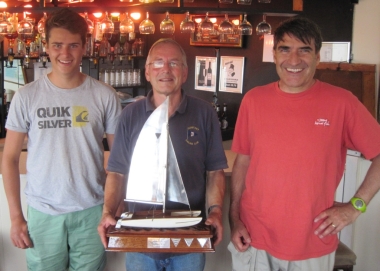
(291, 140)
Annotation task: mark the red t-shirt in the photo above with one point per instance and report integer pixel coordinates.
(297, 144)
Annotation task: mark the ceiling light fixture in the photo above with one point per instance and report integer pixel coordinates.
(135, 15)
(97, 14)
(198, 20)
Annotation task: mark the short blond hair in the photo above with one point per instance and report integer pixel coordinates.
(167, 41)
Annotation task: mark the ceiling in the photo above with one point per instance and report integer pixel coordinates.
(178, 6)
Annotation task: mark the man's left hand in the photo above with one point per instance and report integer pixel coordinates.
(335, 219)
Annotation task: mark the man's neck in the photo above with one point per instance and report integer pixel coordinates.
(67, 82)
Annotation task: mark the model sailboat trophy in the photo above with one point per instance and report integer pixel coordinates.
(154, 178)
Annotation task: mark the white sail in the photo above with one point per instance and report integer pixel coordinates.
(175, 187)
(147, 174)
(154, 164)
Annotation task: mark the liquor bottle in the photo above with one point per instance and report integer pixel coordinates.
(201, 75)
(214, 101)
(224, 119)
(219, 115)
(98, 38)
(209, 75)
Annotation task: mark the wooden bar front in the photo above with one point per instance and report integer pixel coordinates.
(355, 77)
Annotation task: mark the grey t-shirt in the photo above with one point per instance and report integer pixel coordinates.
(65, 128)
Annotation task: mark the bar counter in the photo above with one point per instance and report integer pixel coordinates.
(229, 154)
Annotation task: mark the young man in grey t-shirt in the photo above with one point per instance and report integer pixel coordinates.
(65, 115)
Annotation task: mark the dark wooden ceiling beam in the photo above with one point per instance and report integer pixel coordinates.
(179, 7)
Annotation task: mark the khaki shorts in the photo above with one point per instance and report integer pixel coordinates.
(259, 260)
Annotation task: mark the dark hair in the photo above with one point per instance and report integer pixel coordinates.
(69, 20)
(301, 28)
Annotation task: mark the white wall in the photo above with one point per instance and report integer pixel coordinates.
(366, 49)
(366, 34)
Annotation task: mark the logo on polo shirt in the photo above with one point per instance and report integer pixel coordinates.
(192, 135)
(322, 122)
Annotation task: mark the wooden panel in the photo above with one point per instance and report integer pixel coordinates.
(357, 78)
(298, 5)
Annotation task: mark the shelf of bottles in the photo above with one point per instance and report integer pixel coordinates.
(120, 77)
(117, 52)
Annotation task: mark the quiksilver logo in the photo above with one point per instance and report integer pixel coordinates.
(322, 122)
(62, 117)
(80, 116)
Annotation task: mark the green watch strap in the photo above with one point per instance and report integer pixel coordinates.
(359, 204)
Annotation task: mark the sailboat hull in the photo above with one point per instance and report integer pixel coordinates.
(156, 219)
(160, 223)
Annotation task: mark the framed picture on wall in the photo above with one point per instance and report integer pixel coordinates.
(205, 73)
(231, 74)
(335, 52)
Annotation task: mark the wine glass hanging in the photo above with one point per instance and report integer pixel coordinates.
(245, 27)
(187, 25)
(7, 30)
(89, 34)
(147, 26)
(206, 27)
(127, 32)
(167, 25)
(109, 37)
(264, 27)
(27, 35)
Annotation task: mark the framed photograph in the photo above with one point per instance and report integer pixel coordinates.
(231, 74)
(205, 73)
(213, 37)
(335, 52)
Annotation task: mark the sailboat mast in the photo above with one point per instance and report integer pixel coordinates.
(167, 152)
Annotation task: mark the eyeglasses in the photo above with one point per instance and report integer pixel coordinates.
(159, 64)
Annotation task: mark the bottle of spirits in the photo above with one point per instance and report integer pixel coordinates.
(214, 101)
(209, 74)
(218, 112)
(224, 119)
(98, 38)
(201, 74)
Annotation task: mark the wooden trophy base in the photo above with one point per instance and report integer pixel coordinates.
(197, 238)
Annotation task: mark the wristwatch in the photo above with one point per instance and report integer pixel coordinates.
(359, 204)
(214, 206)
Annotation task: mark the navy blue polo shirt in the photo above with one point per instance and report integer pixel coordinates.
(195, 133)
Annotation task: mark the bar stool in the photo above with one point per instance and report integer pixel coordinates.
(345, 258)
